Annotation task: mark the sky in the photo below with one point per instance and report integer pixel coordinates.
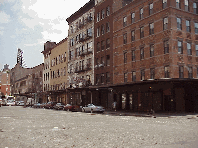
(28, 24)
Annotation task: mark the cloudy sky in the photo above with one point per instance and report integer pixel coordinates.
(28, 24)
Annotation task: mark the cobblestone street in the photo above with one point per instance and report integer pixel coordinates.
(40, 128)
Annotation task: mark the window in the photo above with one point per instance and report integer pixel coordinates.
(179, 23)
(107, 27)
(190, 72)
(188, 26)
(142, 74)
(125, 38)
(141, 13)
(97, 61)
(108, 60)
(103, 14)
(151, 28)
(83, 64)
(164, 5)
(196, 49)
(165, 26)
(196, 28)
(141, 53)
(133, 55)
(125, 77)
(102, 45)
(150, 8)
(98, 46)
(133, 35)
(102, 78)
(133, 76)
(186, 2)
(98, 31)
(195, 10)
(98, 16)
(166, 72)
(124, 21)
(108, 11)
(102, 29)
(102, 61)
(166, 47)
(151, 50)
(97, 78)
(180, 47)
(141, 32)
(189, 50)
(108, 43)
(76, 52)
(71, 28)
(69, 55)
(133, 17)
(125, 57)
(89, 47)
(152, 73)
(178, 4)
(107, 77)
(89, 32)
(181, 72)
(72, 42)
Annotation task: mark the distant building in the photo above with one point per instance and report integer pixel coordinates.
(27, 82)
(5, 81)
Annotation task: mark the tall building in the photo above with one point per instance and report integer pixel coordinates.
(103, 51)
(155, 46)
(58, 72)
(81, 51)
(48, 46)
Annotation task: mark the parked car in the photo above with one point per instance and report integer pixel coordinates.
(50, 105)
(20, 103)
(94, 108)
(37, 105)
(42, 105)
(11, 103)
(69, 107)
(59, 106)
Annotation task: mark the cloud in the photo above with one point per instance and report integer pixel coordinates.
(4, 18)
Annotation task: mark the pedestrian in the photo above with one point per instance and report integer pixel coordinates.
(114, 105)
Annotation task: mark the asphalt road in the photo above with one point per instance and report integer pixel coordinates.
(42, 128)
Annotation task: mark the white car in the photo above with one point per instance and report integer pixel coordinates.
(93, 108)
(10, 103)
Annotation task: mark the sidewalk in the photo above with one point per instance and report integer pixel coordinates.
(144, 114)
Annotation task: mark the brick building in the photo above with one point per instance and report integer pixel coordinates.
(5, 82)
(81, 51)
(27, 82)
(155, 46)
(103, 51)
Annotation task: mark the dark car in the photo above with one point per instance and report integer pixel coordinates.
(50, 105)
(59, 106)
(70, 107)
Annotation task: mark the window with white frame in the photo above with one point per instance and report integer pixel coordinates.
(166, 72)
(107, 27)
(186, 3)
(151, 50)
(108, 11)
(188, 29)
(178, 4)
(103, 14)
(164, 3)
(124, 21)
(179, 23)
(98, 16)
(150, 8)
(195, 9)
(133, 76)
(196, 28)
(180, 47)
(133, 17)
(189, 50)
(196, 49)
(141, 13)
(151, 28)
(165, 26)
(98, 31)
